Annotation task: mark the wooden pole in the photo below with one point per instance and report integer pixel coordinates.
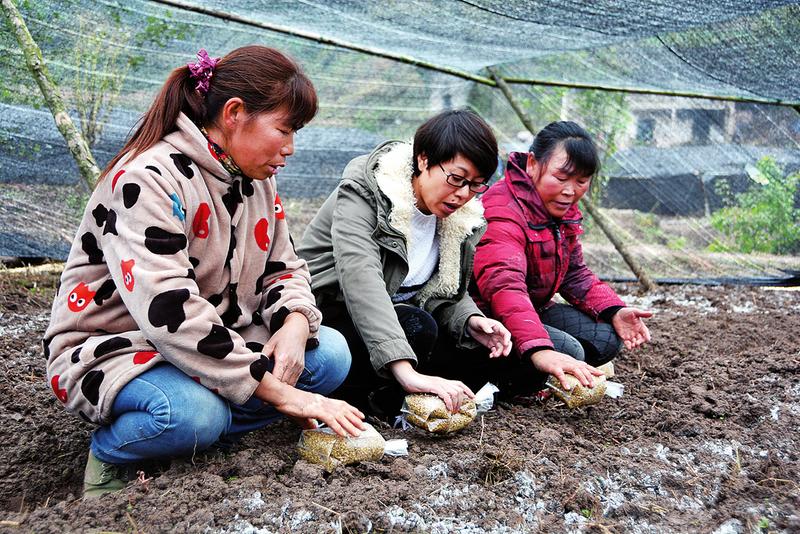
(33, 58)
(607, 226)
(311, 36)
(410, 60)
(657, 92)
(602, 221)
(506, 90)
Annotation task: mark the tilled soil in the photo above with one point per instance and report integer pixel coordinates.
(705, 439)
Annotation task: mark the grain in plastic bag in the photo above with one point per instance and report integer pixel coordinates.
(613, 389)
(578, 395)
(324, 447)
(428, 411)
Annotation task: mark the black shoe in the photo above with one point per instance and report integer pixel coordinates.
(385, 402)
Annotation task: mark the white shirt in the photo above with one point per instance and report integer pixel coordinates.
(423, 255)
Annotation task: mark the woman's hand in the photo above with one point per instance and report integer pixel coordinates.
(628, 325)
(303, 407)
(287, 347)
(559, 364)
(491, 334)
(452, 392)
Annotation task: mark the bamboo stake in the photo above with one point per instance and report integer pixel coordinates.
(606, 225)
(410, 60)
(506, 90)
(603, 222)
(402, 58)
(35, 62)
(647, 91)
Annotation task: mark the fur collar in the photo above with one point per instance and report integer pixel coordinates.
(393, 176)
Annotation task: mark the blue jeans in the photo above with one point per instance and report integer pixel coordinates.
(163, 413)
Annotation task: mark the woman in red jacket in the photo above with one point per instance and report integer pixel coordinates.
(531, 251)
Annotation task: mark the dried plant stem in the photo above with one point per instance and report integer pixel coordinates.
(132, 522)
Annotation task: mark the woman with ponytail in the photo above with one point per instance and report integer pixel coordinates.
(184, 318)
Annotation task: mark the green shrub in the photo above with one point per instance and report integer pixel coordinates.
(677, 243)
(763, 218)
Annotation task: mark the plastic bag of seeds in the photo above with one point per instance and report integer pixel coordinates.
(613, 389)
(428, 411)
(577, 394)
(324, 447)
(608, 369)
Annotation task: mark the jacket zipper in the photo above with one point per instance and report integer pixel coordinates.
(557, 237)
(555, 228)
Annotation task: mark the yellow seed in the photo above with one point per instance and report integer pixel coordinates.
(578, 395)
(323, 447)
(429, 412)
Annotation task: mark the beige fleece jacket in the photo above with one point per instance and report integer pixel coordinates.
(175, 260)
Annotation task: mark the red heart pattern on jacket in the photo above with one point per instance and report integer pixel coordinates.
(261, 233)
(127, 273)
(200, 221)
(144, 356)
(61, 394)
(79, 297)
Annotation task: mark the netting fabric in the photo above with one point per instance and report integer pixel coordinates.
(670, 162)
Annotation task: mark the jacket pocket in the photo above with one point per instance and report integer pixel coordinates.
(540, 255)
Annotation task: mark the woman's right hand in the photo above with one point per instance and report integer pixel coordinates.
(342, 418)
(452, 392)
(559, 364)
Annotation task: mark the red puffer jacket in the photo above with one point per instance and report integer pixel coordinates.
(526, 256)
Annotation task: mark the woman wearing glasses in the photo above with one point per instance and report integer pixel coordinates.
(390, 254)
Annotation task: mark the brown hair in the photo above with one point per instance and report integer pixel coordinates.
(264, 78)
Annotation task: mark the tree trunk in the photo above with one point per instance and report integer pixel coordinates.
(35, 62)
(606, 225)
(602, 221)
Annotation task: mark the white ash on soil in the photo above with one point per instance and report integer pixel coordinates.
(698, 443)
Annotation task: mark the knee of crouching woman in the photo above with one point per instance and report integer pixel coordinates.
(327, 365)
(196, 421)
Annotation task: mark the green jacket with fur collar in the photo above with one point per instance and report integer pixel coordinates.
(356, 249)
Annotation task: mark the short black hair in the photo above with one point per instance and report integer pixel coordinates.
(450, 133)
(582, 158)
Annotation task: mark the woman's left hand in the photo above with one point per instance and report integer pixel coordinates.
(288, 347)
(491, 334)
(628, 325)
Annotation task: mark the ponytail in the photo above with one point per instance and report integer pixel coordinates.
(264, 78)
(177, 94)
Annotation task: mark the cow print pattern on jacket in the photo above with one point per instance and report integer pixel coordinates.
(175, 261)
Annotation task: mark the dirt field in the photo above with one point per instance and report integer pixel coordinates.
(705, 439)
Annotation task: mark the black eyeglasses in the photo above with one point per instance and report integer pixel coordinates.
(459, 181)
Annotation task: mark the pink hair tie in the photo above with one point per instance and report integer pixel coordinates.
(202, 70)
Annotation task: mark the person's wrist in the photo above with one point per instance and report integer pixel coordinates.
(402, 370)
(469, 325)
(272, 391)
(610, 314)
(298, 320)
(537, 355)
